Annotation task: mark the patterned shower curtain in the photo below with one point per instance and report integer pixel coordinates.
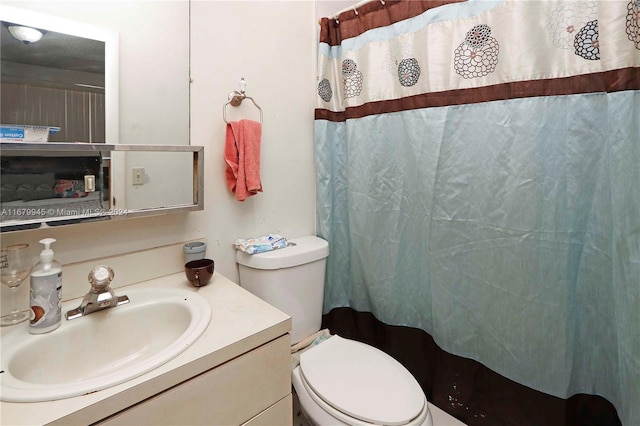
(478, 177)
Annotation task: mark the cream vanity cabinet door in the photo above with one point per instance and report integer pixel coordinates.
(252, 389)
(280, 413)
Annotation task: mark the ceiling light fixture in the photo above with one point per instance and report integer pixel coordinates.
(27, 35)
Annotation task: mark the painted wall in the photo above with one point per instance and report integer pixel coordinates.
(327, 8)
(272, 45)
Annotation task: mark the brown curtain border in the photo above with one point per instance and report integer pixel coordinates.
(607, 81)
(374, 15)
(465, 388)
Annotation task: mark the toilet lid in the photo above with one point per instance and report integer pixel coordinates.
(362, 382)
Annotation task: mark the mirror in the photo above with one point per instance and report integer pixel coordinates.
(65, 183)
(146, 61)
(136, 57)
(58, 86)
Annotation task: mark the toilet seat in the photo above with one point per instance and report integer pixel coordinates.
(359, 384)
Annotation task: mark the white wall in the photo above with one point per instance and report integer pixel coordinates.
(327, 8)
(272, 45)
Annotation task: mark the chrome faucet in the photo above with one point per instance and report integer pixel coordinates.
(101, 296)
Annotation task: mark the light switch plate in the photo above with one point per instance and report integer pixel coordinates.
(137, 175)
(89, 183)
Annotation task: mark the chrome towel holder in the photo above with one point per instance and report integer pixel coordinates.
(236, 98)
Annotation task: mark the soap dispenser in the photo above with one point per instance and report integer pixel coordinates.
(46, 288)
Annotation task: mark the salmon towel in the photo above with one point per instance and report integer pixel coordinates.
(242, 155)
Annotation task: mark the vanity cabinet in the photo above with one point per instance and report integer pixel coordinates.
(236, 373)
(252, 389)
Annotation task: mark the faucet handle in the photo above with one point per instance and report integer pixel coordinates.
(100, 297)
(100, 277)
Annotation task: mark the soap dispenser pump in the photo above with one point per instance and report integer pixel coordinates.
(46, 289)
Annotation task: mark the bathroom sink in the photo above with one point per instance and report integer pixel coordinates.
(102, 349)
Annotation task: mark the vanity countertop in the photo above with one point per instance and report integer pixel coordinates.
(239, 323)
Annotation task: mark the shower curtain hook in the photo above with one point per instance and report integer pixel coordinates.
(355, 11)
(337, 21)
(382, 1)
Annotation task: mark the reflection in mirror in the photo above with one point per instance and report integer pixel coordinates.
(63, 183)
(61, 86)
(148, 102)
(56, 81)
(150, 176)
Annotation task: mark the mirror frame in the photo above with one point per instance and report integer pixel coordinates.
(109, 37)
(48, 149)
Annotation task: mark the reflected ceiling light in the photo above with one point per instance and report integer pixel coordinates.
(26, 35)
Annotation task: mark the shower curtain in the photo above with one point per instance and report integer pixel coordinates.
(478, 177)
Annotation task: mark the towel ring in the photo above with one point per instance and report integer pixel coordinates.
(236, 98)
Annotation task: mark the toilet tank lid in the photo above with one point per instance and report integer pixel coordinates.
(299, 252)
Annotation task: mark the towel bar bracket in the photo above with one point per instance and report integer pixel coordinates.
(235, 98)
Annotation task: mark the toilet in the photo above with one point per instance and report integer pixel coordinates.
(339, 381)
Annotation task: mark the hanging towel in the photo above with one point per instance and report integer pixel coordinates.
(242, 155)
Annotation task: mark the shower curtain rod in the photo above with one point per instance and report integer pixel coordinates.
(354, 8)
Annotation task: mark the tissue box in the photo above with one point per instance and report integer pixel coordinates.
(26, 133)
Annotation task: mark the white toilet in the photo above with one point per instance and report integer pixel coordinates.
(339, 381)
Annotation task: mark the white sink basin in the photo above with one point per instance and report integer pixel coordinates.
(102, 349)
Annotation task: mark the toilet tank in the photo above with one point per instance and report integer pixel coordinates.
(291, 279)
